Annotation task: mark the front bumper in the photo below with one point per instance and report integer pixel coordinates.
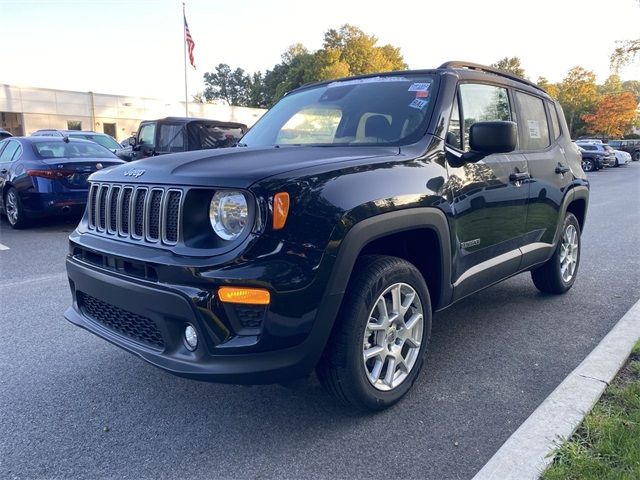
(148, 319)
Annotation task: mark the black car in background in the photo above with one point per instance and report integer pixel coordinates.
(103, 139)
(181, 134)
(4, 134)
(42, 176)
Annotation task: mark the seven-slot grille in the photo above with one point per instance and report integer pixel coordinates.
(144, 213)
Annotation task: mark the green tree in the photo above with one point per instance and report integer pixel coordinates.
(611, 86)
(511, 65)
(231, 86)
(578, 94)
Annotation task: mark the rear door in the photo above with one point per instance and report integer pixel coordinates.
(487, 198)
(540, 134)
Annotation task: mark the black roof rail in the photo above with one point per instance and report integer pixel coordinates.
(496, 71)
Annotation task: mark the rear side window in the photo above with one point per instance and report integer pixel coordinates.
(482, 103)
(591, 148)
(171, 138)
(555, 121)
(534, 130)
(10, 152)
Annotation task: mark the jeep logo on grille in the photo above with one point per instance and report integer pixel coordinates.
(134, 172)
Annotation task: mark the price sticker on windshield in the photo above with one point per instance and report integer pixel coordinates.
(419, 87)
(419, 104)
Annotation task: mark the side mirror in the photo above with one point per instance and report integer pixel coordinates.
(132, 141)
(493, 137)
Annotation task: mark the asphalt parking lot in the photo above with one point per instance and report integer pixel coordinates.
(72, 405)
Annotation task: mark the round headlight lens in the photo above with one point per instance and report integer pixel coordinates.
(228, 213)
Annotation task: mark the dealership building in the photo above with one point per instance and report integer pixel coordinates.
(24, 110)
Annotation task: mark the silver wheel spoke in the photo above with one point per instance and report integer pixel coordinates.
(373, 352)
(386, 333)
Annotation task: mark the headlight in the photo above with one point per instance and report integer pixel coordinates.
(228, 214)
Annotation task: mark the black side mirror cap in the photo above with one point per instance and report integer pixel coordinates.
(493, 137)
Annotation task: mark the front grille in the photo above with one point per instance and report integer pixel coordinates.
(150, 214)
(131, 325)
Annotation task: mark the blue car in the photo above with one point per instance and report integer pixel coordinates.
(42, 176)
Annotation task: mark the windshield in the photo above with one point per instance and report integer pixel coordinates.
(61, 149)
(368, 111)
(104, 140)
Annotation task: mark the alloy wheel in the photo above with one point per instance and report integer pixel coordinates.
(392, 336)
(569, 253)
(11, 207)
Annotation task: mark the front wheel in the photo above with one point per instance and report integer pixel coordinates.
(378, 343)
(559, 273)
(587, 165)
(636, 156)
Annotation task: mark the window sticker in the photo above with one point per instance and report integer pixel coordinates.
(420, 87)
(419, 104)
(534, 129)
(421, 94)
(359, 81)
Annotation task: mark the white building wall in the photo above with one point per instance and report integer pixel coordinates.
(47, 108)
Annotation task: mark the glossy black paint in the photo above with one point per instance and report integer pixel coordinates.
(44, 196)
(345, 200)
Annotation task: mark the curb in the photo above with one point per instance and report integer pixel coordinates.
(526, 453)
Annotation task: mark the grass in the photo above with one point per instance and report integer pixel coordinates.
(607, 444)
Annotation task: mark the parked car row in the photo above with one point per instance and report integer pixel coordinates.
(597, 155)
(46, 173)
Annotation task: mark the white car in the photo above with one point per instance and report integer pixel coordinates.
(622, 158)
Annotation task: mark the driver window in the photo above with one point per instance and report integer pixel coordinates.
(147, 134)
(482, 103)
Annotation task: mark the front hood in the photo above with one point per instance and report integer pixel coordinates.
(233, 167)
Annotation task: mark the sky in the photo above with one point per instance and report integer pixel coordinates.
(136, 47)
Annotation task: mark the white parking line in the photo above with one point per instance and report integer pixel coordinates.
(3, 247)
(39, 278)
(527, 452)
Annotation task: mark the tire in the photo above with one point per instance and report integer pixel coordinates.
(588, 165)
(550, 277)
(616, 164)
(360, 326)
(636, 156)
(14, 209)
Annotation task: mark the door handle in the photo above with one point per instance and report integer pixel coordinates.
(519, 177)
(562, 169)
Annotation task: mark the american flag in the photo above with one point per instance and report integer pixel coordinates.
(190, 43)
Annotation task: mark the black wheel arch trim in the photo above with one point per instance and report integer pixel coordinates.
(382, 225)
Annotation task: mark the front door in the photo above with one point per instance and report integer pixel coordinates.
(487, 198)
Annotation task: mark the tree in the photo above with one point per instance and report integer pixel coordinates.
(577, 94)
(550, 88)
(511, 65)
(613, 116)
(231, 86)
(350, 51)
(611, 86)
(632, 86)
(626, 53)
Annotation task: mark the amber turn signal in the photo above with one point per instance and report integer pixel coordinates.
(250, 296)
(280, 210)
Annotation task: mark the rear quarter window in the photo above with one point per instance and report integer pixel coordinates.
(532, 120)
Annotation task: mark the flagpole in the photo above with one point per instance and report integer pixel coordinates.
(184, 41)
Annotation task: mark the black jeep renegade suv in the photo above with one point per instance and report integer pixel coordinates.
(350, 212)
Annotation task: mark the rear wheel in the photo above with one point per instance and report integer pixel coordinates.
(587, 165)
(559, 273)
(377, 348)
(14, 209)
(636, 156)
(617, 164)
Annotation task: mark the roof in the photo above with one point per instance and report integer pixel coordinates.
(70, 132)
(457, 66)
(186, 120)
(37, 139)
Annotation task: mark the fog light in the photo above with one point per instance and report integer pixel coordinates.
(190, 338)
